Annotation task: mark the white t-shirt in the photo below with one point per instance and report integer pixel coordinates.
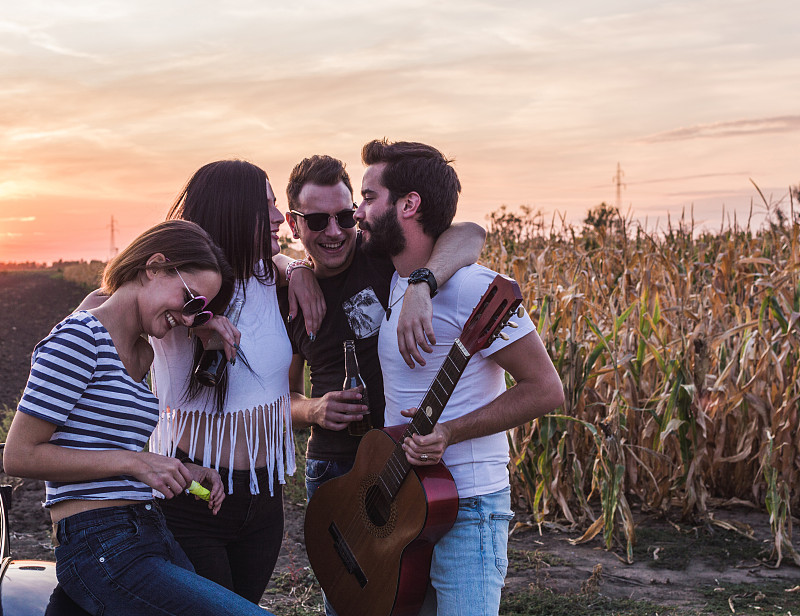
(479, 466)
(258, 400)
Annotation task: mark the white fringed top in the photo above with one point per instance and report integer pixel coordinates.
(258, 401)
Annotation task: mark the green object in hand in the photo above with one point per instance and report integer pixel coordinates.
(199, 491)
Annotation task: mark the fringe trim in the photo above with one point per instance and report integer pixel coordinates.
(275, 419)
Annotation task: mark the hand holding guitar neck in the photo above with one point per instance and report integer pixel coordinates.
(428, 449)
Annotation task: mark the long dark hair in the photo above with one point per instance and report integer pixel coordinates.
(228, 198)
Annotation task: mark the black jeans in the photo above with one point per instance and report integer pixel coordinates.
(238, 547)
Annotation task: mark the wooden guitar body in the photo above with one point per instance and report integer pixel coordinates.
(370, 533)
(372, 555)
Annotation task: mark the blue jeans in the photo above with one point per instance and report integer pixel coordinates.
(122, 561)
(317, 473)
(469, 563)
(238, 547)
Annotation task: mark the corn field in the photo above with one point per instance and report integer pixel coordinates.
(679, 356)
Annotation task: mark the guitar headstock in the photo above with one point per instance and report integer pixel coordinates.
(491, 314)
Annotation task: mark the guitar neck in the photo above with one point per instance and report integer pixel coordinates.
(428, 413)
(440, 391)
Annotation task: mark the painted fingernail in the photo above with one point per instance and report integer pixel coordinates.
(236, 346)
(289, 319)
(312, 337)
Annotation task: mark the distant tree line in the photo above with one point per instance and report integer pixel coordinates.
(23, 265)
(58, 266)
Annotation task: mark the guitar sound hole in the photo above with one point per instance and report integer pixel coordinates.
(379, 509)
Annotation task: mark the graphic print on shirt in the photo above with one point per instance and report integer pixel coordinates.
(364, 313)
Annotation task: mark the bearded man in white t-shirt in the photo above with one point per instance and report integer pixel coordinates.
(409, 197)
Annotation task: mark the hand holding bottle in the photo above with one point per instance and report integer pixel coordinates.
(353, 380)
(214, 360)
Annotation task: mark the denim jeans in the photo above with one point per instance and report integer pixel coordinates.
(238, 547)
(317, 473)
(123, 561)
(469, 563)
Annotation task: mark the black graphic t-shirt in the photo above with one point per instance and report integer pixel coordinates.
(356, 303)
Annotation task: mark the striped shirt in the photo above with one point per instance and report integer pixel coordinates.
(79, 383)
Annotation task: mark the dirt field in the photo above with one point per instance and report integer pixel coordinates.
(679, 569)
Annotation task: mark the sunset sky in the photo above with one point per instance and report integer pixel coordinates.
(108, 107)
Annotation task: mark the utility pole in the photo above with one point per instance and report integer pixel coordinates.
(617, 179)
(112, 249)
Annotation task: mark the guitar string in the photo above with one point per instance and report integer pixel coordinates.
(397, 461)
(396, 466)
(411, 428)
(397, 457)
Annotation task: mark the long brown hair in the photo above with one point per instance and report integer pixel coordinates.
(186, 246)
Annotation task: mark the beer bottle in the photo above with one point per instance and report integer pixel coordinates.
(352, 378)
(213, 362)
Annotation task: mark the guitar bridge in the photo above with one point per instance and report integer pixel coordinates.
(346, 555)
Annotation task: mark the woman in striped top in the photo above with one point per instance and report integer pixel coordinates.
(86, 415)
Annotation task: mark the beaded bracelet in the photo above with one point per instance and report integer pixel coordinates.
(306, 263)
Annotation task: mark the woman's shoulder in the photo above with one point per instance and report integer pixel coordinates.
(81, 323)
(79, 334)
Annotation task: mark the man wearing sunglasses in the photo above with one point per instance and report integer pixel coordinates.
(358, 294)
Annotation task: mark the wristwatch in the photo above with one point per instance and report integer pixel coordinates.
(423, 274)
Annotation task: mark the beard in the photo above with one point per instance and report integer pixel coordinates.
(386, 238)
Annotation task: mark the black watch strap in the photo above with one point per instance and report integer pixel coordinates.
(423, 274)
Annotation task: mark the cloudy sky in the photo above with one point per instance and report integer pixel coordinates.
(107, 107)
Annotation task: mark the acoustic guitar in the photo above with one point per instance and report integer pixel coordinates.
(370, 533)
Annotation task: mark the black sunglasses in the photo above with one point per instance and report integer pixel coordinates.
(194, 306)
(319, 220)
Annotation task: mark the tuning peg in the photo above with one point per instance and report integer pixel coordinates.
(520, 311)
(503, 335)
(512, 324)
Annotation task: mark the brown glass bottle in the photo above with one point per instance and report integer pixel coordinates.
(213, 362)
(352, 378)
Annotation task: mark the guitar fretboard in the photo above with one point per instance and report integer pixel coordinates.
(397, 467)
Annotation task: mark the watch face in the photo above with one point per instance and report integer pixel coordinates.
(419, 275)
(423, 275)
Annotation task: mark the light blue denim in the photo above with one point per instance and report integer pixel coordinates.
(469, 563)
(123, 561)
(317, 473)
